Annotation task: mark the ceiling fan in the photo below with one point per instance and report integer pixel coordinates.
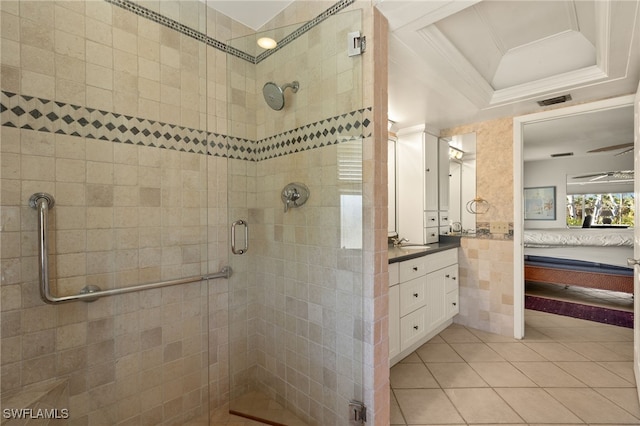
(621, 174)
(628, 147)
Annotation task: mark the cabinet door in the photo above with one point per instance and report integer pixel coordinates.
(453, 304)
(451, 277)
(431, 172)
(443, 174)
(436, 298)
(394, 321)
(410, 173)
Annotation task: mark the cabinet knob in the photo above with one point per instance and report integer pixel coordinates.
(415, 294)
(415, 327)
(415, 268)
(454, 303)
(447, 276)
(454, 278)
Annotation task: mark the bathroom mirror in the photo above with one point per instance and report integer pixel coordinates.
(392, 182)
(462, 181)
(461, 186)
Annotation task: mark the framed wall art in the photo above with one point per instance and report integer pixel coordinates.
(540, 203)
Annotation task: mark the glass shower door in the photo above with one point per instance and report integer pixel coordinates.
(295, 298)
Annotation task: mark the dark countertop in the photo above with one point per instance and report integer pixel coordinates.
(399, 254)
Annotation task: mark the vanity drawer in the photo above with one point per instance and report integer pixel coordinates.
(441, 259)
(413, 268)
(444, 219)
(430, 218)
(431, 235)
(413, 295)
(413, 327)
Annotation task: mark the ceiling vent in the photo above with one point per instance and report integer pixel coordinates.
(556, 100)
(562, 154)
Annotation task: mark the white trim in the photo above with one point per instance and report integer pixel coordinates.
(466, 70)
(563, 82)
(518, 222)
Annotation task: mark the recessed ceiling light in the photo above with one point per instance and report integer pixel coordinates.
(267, 43)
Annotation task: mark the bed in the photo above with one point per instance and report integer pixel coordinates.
(593, 258)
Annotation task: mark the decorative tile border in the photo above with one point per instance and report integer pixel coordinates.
(197, 35)
(304, 28)
(331, 131)
(44, 115)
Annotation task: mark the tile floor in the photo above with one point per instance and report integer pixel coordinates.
(566, 371)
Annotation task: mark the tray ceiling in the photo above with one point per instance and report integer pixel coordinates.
(481, 60)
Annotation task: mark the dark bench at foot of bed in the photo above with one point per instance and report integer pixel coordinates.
(591, 279)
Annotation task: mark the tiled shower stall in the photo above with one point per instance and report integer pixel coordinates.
(145, 121)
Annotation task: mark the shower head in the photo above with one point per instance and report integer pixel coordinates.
(274, 94)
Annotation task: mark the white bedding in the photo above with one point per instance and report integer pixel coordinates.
(561, 237)
(616, 256)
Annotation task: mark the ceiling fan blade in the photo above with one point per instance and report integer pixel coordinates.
(612, 147)
(601, 175)
(626, 151)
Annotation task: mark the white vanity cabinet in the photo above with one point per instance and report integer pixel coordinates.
(422, 293)
(422, 185)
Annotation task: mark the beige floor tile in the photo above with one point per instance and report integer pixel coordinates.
(515, 352)
(438, 352)
(501, 374)
(482, 406)
(412, 358)
(535, 405)
(592, 407)
(396, 414)
(593, 375)
(626, 398)
(622, 369)
(547, 374)
(554, 351)
(476, 352)
(456, 375)
(427, 407)
(491, 337)
(597, 351)
(458, 335)
(411, 376)
(624, 349)
(608, 333)
(535, 335)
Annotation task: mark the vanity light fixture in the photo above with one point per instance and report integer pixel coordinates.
(455, 153)
(267, 43)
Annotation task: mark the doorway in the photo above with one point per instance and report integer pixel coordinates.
(519, 184)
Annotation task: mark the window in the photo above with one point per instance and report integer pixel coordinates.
(611, 208)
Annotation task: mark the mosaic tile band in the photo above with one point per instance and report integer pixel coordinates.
(44, 115)
(197, 35)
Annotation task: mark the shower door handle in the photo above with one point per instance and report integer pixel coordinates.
(244, 249)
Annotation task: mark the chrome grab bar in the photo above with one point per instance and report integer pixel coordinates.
(43, 202)
(243, 250)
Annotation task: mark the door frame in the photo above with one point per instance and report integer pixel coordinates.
(518, 188)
